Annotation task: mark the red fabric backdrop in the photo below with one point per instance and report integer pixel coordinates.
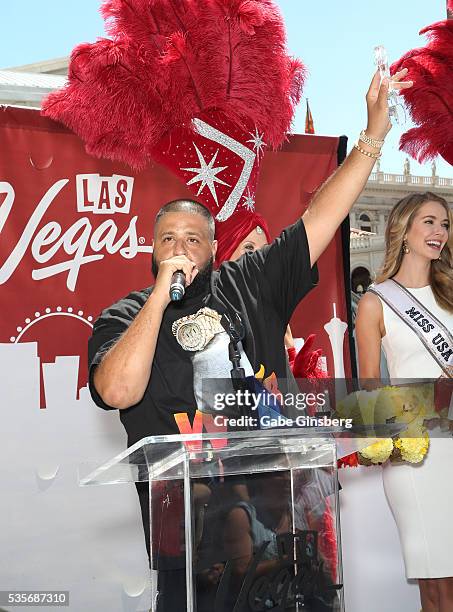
(76, 233)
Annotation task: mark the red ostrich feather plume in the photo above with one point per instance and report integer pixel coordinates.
(169, 61)
(430, 100)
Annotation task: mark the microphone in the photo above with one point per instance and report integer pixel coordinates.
(177, 286)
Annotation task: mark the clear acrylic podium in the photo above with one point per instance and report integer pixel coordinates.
(239, 521)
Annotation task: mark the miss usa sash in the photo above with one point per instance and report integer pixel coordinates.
(436, 338)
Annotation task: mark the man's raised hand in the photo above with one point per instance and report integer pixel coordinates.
(167, 268)
(379, 124)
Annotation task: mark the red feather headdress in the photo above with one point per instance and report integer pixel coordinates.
(430, 100)
(234, 230)
(178, 76)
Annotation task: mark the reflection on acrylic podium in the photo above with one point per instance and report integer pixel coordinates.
(239, 521)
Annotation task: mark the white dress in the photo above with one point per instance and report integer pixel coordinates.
(421, 495)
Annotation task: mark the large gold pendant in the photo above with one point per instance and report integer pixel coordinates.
(195, 331)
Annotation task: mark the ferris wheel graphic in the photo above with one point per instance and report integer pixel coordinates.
(48, 312)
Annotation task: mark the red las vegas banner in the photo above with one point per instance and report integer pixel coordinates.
(76, 235)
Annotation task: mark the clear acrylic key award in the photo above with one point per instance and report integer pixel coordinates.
(397, 113)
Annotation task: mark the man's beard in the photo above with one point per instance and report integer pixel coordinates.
(200, 283)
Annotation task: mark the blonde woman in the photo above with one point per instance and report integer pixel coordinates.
(409, 312)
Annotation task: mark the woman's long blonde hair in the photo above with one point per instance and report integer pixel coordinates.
(399, 222)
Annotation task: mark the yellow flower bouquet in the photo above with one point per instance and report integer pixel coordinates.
(409, 405)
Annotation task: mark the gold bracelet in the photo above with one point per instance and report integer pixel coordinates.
(376, 144)
(372, 155)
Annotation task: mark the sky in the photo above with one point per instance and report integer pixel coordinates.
(335, 40)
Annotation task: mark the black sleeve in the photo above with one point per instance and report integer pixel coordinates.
(107, 330)
(285, 264)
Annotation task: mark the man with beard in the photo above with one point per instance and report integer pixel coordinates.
(148, 355)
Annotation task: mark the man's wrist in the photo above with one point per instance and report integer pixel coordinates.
(372, 142)
(375, 134)
(367, 151)
(160, 298)
(368, 145)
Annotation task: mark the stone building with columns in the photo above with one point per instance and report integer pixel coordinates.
(370, 213)
(28, 85)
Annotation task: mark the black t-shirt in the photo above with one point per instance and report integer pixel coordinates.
(264, 287)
